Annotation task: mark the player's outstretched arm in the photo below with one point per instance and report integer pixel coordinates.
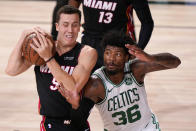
(16, 62)
(154, 62)
(145, 63)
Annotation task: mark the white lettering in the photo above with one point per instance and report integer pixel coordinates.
(54, 85)
(87, 3)
(93, 3)
(44, 69)
(114, 6)
(107, 6)
(103, 5)
(98, 5)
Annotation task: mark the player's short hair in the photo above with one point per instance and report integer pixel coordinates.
(67, 9)
(117, 38)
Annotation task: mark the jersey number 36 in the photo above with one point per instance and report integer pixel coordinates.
(131, 115)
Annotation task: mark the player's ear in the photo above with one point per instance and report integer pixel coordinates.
(127, 57)
(79, 27)
(57, 26)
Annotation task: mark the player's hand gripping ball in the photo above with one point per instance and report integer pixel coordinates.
(30, 54)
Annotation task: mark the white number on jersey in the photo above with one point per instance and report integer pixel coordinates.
(54, 85)
(68, 69)
(131, 115)
(105, 17)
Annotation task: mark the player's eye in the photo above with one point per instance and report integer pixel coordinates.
(75, 24)
(65, 24)
(118, 54)
(107, 52)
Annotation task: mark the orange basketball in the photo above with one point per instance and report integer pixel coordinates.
(30, 54)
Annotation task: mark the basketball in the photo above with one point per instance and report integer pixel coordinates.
(30, 54)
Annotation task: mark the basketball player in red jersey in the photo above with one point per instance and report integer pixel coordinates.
(71, 65)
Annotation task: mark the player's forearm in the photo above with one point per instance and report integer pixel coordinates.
(16, 62)
(166, 59)
(82, 79)
(147, 23)
(60, 75)
(86, 62)
(145, 34)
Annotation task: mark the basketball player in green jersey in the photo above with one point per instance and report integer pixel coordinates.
(121, 97)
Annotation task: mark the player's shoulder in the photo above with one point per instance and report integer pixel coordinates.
(137, 65)
(89, 51)
(94, 86)
(94, 81)
(138, 68)
(88, 48)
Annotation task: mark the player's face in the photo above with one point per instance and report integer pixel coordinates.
(114, 59)
(68, 28)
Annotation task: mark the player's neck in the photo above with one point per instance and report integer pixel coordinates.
(63, 48)
(116, 78)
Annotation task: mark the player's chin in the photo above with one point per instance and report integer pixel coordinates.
(112, 72)
(69, 41)
(112, 69)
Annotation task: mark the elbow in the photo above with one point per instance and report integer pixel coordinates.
(175, 62)
(150, 24)
(10, 72)
(178, 62)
